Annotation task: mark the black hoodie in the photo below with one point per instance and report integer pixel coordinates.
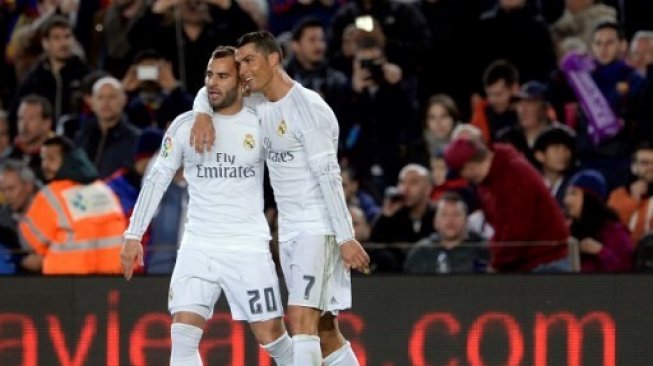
(77, 167)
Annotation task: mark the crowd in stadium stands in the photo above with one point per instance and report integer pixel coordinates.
(476, 136)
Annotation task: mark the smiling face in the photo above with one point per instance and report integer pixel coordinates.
(256, 68)
(222, 82)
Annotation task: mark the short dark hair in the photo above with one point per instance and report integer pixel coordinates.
(501, 70)
(610, 25)
(35, 99)
(644, 145)
(54, 21)
(64, 143)
(447, 102)
(555, 135)
(263, 41)
(222, 52)
(304, 24)
(453, 197)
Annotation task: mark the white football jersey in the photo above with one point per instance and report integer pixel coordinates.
(296, 189)
(300, 137)
(225, 185)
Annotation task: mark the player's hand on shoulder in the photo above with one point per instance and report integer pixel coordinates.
(131, 256)
(354, 255)
(202, 134)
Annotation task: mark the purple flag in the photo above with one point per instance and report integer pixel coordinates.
(603, 123)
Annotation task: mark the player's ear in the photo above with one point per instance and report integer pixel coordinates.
(274, 59)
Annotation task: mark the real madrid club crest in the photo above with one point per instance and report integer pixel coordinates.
(248, 142)
(281, 130)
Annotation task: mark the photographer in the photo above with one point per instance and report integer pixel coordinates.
(382, 117)
(155, 96)
(407, 213)
(407, 217)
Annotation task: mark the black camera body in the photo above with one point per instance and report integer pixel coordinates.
(393, 194)
(375, 68)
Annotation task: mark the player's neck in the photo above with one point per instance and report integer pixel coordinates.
(279, 86)
(232, 109)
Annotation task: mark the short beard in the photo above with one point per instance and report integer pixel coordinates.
(229, 100)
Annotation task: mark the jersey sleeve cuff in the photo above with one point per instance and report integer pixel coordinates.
(131, 236)
(343, 240)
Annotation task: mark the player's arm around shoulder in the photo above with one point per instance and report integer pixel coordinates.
(202, 134)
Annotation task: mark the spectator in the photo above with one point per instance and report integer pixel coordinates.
(402, 26)
(452, 248)
(382, 116)
(605, 243)
(308, 65)
(530, 231)
(204, 24)
(444, 180)
(532, 112)
(554, 152)
(362, 229)
(633, 202)
(155, 96)
(501, 82)
(356, 196)
(126, 181)
(25, 31)
(75, 222)
(18, 186)
(442, 116)
(641, 51)
(34, 127)
(407, 214)
(514, 30)
(109, 138)
(68, 125)
(59, 73)
(579, 19)
(620, 85)
(5, 140)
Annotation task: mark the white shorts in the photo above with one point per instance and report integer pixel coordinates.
(315, 274)
(249, 281)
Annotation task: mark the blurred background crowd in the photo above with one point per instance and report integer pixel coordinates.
(476, 136)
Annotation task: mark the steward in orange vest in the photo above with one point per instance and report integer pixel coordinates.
(75, 222)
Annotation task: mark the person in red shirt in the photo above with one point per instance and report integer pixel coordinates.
(530, 230)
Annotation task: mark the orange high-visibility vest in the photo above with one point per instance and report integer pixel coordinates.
(77, 228)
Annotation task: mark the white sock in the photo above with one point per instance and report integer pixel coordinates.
(185, 343)
(344, 356)
(306, 349)
(280, 350)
